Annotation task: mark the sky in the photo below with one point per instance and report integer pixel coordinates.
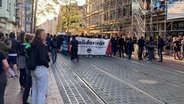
(40, 21)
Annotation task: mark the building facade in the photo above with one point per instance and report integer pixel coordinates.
(108, 16)
(24, 15)
(50, 26)
(7, 15)
(134, 17)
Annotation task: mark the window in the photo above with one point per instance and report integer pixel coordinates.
(119, 13)
(181, 26)
(175, 26)
(0, 3)
(124, 11)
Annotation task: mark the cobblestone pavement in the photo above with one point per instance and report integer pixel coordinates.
(117, 81)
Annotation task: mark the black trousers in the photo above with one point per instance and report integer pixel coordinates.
(140, 53)
(22, 78)
(3, 83)
(74, 54)
(160, 54)
(28, 85)
(121, 51)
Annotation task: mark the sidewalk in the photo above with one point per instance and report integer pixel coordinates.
(14, 96)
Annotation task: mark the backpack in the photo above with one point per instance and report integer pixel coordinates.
(21, 49)
(54, 43)
(31, 58)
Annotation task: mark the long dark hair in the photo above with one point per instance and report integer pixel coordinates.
(22, 36)
(37, 38)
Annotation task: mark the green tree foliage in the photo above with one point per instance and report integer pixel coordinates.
(70, 16)
(43, 9)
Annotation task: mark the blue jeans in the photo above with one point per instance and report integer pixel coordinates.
(39, 84)
(129, 52)
(54, 55)
(151, 54)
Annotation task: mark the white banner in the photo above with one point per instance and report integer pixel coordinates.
(92, 46)
(175, 9)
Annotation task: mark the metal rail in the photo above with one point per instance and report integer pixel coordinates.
(85, 82)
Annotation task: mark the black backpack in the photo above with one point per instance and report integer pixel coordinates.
(54, 43)
(21, 49)
(31, 58)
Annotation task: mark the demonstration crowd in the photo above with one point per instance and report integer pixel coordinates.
(30, 54)
(146, 47)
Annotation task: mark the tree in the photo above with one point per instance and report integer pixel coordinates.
(70, 16)
(42, 9)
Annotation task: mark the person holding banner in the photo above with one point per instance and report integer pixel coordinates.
(74, 49)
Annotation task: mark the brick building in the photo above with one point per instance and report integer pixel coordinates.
(108, 16)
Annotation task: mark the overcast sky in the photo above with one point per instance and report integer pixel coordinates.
(43, 19)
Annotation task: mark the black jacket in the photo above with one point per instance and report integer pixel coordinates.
(121, 42)
(161, 43)
(14, 48)
(141, 43)
(42, 57)
(74, 44)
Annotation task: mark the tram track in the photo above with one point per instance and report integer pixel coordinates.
(125, 82)
(85, 82)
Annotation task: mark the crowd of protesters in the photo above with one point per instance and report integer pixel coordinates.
(147, 47)
(29, 55)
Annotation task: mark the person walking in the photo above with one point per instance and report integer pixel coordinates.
(12, 59)
(113, 43)
(40, 72)
(74, 49)
(116, 48)
(3, 47)
(146, 48)
(21, 60)
(28, 82)
(130, 48)
(161, 45)
(54, 47)
(141, 43)
(4, 66)
(177, 48)
(168, 46)
(121, 45)
(151, 46)
(182, 48)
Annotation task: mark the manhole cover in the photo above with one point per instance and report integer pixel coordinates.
(146, 81)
